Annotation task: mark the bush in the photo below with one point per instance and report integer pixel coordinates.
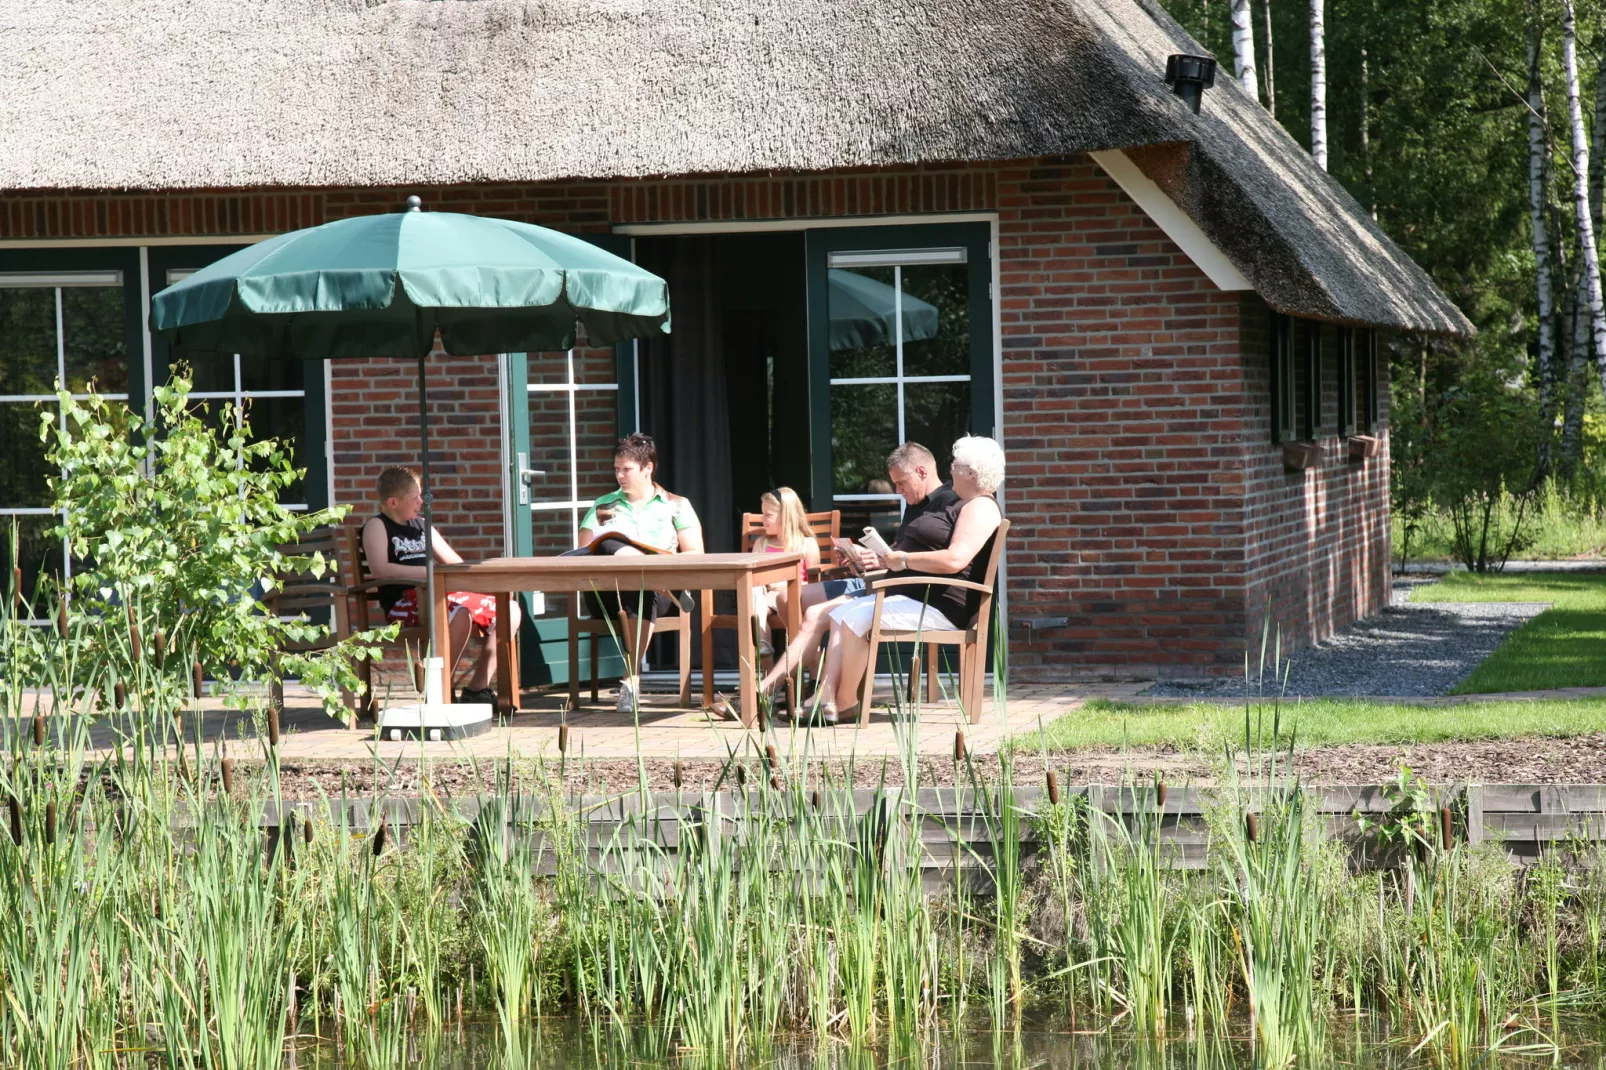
(178, 525)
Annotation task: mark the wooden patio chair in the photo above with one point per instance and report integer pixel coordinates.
(364, 597)
(678, 624)
(300, 594)
(827, 525)
(971, 640)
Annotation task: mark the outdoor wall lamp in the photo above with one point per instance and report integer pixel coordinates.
(1189, 76)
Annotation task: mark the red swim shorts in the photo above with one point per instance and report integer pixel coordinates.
(481, 608)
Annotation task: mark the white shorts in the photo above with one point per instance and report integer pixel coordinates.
(899, 613)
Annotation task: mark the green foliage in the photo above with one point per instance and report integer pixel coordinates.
(1469, 443)
(180, 524)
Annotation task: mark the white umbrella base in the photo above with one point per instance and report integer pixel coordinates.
(435, 721)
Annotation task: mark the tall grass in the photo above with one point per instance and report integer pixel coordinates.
(161, 905)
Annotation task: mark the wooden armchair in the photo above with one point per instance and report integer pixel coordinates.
(971, 640)
(366, 614)
(300, 594)
(677, 623)
(827, 525)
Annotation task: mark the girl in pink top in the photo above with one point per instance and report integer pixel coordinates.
(786, 530)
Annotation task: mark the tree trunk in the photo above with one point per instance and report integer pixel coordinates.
(1538, 156)
(1597, 139)
(1366, 132)
(1589, 257)
(1318, 87)
(1243, 46)
(1575, 361)
(1271, 81)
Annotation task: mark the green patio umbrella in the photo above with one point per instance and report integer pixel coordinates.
(388, 285)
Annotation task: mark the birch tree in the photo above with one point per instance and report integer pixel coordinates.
(1271, 67)
(1243, 46)
(1318, 87)
(1589, 257)
(1538, 203)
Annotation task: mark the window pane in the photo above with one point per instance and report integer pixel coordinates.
(596, 430)
(23, 475)
(594, 367)
(285, 419)
(864, 429)
(549, 447)
(38, 552)
(27, 341)
(862, 323)
(934, 415)
(549, 368)
(884, 516)
(936, 320)
(93, 339)
(261, 373)
(210, 374)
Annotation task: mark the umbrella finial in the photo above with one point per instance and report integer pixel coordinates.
(415, 203)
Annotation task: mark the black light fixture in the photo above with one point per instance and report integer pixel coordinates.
(1189, 76)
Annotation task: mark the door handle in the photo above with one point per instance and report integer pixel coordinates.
(526, 476)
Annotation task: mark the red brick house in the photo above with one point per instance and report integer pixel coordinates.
(1169, 319)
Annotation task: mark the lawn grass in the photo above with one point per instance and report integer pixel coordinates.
(1313, 722)
(1565, 646)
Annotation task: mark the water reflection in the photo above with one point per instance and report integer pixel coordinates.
(1054, 1044)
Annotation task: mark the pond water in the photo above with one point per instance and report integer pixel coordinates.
(1060, 1044)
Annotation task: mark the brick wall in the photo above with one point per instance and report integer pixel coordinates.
(1150, 503)
(1316, 554)
(1123, 409)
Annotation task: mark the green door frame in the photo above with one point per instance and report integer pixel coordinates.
(976, 239)
(544, 649)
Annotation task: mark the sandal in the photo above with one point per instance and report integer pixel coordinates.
(721, 709)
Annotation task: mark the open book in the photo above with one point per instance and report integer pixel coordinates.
(872, 541)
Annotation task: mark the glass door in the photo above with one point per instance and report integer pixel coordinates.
(900, 348)
(566, 411)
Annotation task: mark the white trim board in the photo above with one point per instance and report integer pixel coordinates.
(126, 243)
(1171, 219)
(741, 226)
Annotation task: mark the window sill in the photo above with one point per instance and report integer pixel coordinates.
(1298, 456)
(1363, 447)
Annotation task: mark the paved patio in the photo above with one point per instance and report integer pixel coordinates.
(665, 730)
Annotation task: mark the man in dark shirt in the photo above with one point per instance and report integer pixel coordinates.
(913, 471)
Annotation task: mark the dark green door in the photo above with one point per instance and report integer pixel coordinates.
(900, 349)
(565, 412)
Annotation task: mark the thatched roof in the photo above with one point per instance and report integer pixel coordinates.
(152, 94)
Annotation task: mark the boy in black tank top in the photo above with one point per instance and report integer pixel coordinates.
(393, 547)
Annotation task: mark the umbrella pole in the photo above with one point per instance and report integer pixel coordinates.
(429, 538)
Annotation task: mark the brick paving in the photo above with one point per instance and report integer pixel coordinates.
(665, 730)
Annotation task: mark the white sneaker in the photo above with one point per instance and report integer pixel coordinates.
(627, 696)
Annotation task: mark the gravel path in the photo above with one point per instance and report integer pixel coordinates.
(1409, 649)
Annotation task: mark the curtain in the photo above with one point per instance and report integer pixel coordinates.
(683, 402)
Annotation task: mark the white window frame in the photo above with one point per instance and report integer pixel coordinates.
(55, 281)
(897, 260)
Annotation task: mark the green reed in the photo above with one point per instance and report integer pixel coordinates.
(153, 914)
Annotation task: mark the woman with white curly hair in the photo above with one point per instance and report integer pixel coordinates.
(955, 541)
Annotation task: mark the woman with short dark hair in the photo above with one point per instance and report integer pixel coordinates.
(651, 516)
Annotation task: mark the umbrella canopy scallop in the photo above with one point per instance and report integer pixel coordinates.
(383, 285)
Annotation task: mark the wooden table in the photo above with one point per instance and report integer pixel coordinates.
(707, 573)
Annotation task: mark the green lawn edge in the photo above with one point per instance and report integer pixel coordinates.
(1105, 724)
